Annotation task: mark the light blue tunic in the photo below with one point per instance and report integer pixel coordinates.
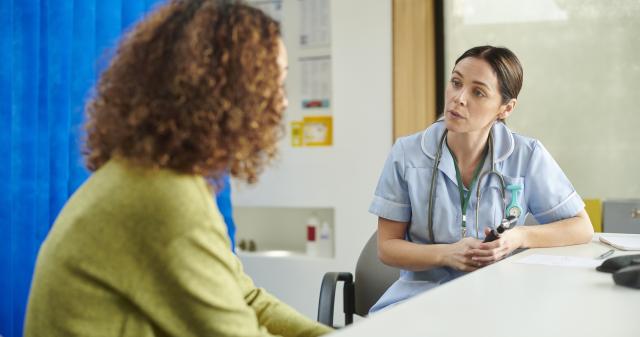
(402, 195)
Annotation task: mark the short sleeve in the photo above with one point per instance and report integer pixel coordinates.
(391, 198)
(550, 195)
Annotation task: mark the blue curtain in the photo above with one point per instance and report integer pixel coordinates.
(52, 53)
(223, 199)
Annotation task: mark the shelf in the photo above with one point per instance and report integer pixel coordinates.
(281, 254)
(280, 231)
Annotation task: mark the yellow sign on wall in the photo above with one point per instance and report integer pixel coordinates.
(312, 131)
(318, 131)
(296, 133)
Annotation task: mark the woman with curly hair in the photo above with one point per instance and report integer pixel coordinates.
(194, 90)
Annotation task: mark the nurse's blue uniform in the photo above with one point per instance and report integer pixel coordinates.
(402, 195)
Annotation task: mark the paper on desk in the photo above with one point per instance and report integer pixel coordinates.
(560, 261)
(621, 241)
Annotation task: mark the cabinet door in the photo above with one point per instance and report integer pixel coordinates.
(622, 216)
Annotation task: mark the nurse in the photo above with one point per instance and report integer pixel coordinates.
(471, 135)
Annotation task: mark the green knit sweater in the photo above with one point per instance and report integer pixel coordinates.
(137, 252)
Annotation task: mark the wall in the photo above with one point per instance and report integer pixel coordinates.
(581, 75)
(344, 176)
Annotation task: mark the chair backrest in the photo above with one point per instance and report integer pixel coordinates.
(372, 277)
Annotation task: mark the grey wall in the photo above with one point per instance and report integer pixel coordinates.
(582, 79)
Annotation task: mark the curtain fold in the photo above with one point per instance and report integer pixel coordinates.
(6, 74)
(52, 53)
(23, 158)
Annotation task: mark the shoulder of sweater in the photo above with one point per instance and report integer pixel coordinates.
(156, 196)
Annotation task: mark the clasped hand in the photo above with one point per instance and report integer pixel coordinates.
(470, 254)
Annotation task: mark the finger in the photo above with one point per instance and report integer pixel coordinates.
(468, 254)
(490, 245)
(481, 252)
(501, 250)
(459, 265)
(504, 253)
(485, 259)
(465, 262)
(468, 268)
(482, 264)
(473, 243)
(490, 256)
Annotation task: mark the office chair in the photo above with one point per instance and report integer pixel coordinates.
(371, 280)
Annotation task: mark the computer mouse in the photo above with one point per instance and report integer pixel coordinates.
(614, 264)
(628, 277)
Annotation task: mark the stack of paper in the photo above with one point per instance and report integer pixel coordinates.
(622, 241)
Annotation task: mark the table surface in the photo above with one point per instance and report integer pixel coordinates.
(516, 299)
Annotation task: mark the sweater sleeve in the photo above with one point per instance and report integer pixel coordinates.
(278, 317)
(204, 292)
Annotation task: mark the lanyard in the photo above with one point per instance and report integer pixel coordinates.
(464, 197)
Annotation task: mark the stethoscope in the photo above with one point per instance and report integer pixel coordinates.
(513, 209)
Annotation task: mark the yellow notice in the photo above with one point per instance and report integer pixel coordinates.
(318, 131)
(297, 132)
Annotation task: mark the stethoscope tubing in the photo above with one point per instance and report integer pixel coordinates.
(434, 179)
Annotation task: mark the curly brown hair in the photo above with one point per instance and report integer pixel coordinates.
(194, 87)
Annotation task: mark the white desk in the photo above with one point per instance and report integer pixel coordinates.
(514, 299)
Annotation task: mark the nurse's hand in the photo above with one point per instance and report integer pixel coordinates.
(459, 255)
(489, 252)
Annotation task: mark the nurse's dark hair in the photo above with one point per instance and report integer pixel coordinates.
(506, 66)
